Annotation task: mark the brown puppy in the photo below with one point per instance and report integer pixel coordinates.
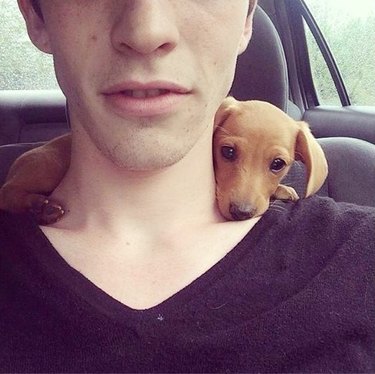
(255, 144)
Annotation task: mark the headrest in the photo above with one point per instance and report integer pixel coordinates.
(261, 70)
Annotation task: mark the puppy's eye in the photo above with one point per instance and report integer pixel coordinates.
(229, 153)
(277, 165)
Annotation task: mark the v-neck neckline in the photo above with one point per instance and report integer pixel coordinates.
(76, 282)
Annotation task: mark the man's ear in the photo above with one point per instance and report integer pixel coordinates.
(36, 27)
(248, 29)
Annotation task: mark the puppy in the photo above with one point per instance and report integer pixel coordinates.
(254, 145)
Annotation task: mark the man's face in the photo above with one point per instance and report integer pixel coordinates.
(143, 78)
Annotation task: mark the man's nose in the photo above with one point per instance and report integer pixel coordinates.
(145, 26)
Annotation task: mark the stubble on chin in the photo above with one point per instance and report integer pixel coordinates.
(142, 152)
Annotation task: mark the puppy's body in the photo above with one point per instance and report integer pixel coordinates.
(259, 135)
(255, 144)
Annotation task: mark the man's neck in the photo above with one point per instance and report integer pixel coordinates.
(95, 192)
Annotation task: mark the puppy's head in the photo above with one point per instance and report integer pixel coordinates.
(255, 144)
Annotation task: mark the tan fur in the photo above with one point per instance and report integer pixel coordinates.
(261, 133)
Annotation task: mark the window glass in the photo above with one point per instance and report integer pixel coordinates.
(325, 87)
(22, 66)
(349, 29)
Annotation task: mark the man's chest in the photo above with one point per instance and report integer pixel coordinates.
(141, 273)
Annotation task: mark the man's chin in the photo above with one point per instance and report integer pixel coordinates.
(143, 161)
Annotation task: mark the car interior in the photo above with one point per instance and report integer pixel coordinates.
(268, 70)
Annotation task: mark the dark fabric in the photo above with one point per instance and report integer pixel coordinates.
(295, 295)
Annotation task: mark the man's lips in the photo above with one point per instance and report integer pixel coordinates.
(142, 94)
(150, 86)
(145, 99)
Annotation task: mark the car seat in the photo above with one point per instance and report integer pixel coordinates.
(262, 74)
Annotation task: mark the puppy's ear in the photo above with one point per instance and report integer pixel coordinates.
(311, 154)
(225, 109)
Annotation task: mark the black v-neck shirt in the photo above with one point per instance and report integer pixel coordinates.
(295, 295)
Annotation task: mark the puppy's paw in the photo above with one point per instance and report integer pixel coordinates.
(36, 203)
(46, 212)
(285, 193)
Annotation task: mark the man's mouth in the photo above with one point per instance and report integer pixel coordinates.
(148, 89)
(142, 94)
(145, 100)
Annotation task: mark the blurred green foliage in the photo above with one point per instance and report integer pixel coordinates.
(351, 38)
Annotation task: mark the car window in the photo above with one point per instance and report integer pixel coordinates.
(349, 29)
(22, 66)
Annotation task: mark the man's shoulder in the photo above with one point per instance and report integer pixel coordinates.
(322, 228)
(7, 218)
(340, 220)
(13, 225)
(319, 226)
(316, 211)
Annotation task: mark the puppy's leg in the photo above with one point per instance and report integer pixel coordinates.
(17, 200)
(33, 176)
(285, 193)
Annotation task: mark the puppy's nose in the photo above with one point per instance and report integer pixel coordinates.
(241, 211)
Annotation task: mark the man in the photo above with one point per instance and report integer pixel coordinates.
(143, 274)
(142, 125)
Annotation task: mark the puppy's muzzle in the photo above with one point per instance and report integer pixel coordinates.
(241, 211)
